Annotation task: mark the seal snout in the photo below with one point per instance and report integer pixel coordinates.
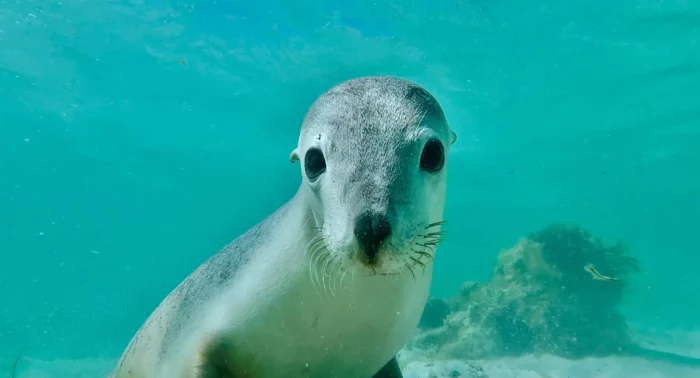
(371, 229)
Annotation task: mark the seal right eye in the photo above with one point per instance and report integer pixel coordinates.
(433, 157)
(314, 163)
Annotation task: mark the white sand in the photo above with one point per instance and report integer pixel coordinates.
(553, 367)
(416, 367)
(682, 343)
(523, 367)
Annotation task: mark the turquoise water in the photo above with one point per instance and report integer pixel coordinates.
(138, 137)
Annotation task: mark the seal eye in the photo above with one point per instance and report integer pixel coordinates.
(314, 163)
(433, 157)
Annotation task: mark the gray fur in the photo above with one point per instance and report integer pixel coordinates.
(205, 283)
(215, 273)
(371, 131)
(375, 118)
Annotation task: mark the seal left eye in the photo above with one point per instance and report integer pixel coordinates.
(314, 163)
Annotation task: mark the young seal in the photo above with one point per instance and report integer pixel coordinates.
(334, 282)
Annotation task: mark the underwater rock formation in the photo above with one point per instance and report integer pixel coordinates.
(434, 314)
(555, 292)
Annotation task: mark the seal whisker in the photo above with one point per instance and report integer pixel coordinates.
(332, 274)
(16, 363)
(316, 252)
(323, 257)
(435, 224)
(423, 254)
(317, 269)
(326, 262)
(311, 275)
(328, 272)
(338, 274)
(342, 277)
(323, 262)
(319, 256)
(432, 238)
(411, 270)
(418, 262)
(310, 251)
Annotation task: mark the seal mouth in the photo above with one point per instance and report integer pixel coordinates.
(371, 257)
(392, 256)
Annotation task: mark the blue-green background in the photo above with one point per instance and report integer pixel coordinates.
(138, 137)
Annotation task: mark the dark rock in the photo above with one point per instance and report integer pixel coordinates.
(434, 314)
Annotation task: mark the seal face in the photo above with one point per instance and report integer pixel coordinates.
(373, 154)
(334, 282)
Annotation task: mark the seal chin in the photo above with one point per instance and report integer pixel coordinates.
(388, 261)
(385, 259)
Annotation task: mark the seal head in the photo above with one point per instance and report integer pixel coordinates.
(373, 153)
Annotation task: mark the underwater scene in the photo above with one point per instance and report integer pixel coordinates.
(140, 137)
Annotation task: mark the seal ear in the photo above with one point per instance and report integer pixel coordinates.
(453, 137)
(294, 156)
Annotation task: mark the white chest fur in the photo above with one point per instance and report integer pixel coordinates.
(302, 329)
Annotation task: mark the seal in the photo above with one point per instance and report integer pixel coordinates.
(334, 282)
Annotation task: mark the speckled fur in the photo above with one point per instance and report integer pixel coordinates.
(255, 310)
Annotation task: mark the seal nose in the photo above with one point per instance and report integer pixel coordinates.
(371, 229)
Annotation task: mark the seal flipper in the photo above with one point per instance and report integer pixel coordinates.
(215, 361)
(390, 370)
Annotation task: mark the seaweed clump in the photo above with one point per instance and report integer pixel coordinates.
(540, 299)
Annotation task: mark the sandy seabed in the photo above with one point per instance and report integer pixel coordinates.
(416, 366)
(681, 343)
(522, 367)
(551, 367)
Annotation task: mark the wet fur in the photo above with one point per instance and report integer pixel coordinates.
(282, 300)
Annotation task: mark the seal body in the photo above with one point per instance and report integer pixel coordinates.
(334, 282)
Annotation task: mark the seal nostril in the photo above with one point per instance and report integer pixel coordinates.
(371, 230)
